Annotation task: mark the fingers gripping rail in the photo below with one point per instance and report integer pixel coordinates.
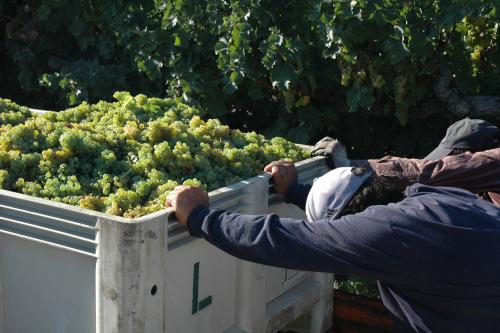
(102, 273)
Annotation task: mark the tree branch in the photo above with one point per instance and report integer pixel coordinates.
(472, 106)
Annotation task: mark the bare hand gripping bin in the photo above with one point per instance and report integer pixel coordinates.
(67, 269)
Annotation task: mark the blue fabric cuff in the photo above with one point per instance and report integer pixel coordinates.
(195, 220)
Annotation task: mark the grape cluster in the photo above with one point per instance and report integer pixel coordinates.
(123, 158)
(11, 113)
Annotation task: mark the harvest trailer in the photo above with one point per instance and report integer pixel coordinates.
(68, 269)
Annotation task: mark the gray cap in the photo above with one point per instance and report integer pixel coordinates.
(467, 134)
(331, 192)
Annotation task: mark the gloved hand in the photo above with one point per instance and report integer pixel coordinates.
(333, 150)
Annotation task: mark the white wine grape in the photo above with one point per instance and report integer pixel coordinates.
(123, 158)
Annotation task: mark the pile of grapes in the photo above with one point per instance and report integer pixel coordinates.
(123, 158)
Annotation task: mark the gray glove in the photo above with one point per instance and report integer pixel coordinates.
(333, 150)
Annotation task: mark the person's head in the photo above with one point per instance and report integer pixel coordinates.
(344, 191)
(466, 135)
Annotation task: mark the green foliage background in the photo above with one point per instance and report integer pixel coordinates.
(359, 70)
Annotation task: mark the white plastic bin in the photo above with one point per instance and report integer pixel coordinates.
(67, 269)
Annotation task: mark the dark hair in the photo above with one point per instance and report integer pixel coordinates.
(377, 190)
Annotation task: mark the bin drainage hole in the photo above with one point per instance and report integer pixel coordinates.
(153, 290)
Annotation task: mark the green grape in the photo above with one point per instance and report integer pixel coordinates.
(91, 202)
(192, 182)
(4, 175)
(70, 141)
(143, 188)
(124, 199)
(131, 130)
(125, 157)
(13, 114)
(105, 184)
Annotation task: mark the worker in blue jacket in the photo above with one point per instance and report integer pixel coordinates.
(434, 250)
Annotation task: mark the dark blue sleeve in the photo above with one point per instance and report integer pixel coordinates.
(355, 244)
(297, 194)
